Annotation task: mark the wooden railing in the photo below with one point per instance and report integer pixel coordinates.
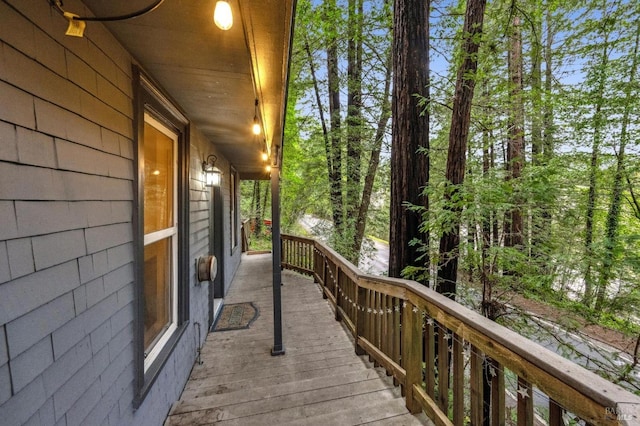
(452, 363)
(297, 254)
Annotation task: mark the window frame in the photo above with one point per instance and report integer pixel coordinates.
(172, 233)
(148, 99)
(233, 213)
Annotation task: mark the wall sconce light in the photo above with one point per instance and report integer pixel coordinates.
(222, 15)
(256, 124)
(212, 174)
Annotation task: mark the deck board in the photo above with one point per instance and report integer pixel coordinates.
(319, 380)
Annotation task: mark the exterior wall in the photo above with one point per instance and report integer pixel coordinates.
(201, 204)
(234, 253)
(66, 236)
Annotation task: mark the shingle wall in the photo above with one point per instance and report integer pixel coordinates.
(66, 237)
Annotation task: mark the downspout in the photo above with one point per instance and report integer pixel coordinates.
(278, 346)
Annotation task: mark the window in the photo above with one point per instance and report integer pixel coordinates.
(160, 295)
(161, 226)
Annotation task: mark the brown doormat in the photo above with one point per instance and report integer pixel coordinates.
(235, 316)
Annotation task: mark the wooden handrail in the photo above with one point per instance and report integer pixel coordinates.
(451, 362)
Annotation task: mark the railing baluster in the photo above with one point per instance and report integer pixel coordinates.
(412, 354)
(353, 312)
(385, 338)
(361, 318)
(367, 309)
(336, 291)
(333, 279)
(458, 381)
(555, 414)
(497, 394)
(443, 369)
(525, 403)
(346, 296)
(317, 264)
(354, 293)
(376, 321)
(397, 335)
(475, 380)
(325, 276)
(430, 358)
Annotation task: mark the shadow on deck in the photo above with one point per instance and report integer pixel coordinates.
(320, 379)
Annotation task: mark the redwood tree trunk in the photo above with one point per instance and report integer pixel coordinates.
(515, 146)
(458, 136)
(333, 82)
(410, 133)
(354, 110)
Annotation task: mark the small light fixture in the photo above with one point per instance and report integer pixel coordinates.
(256, 124)
(268, 169)
(265, 156)
(222, 15)
(212, 174)
(76, 27)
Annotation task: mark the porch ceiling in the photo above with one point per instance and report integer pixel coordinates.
(215, 75)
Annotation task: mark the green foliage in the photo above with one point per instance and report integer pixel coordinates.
(585, 51)
(309, 154)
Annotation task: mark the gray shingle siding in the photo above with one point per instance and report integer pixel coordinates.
(20, 252)
(4, 263)
(67, 291)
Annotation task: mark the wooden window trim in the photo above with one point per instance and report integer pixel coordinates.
(149, 99)
(234, 214)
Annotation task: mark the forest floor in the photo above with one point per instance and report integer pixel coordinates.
(573, 321)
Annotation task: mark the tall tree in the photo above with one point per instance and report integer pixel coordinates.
(458, 137)
(333, 83)
(354, 107)
(515, 131)
(547, 115)
(353, 132)
(613, 216)
(410, 135)
(539, 231)
(600, 77)
(374, 159)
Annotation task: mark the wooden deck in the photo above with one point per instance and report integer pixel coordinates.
(320, 379)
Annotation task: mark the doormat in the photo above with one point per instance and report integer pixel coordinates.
(236, 316)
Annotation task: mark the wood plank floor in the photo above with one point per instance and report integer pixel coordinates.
(320, 379)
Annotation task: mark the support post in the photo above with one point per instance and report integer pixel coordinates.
(278, 347)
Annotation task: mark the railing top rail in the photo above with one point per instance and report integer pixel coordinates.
(297, 238)
(570, 373)
(346, 266)
(463, 320)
